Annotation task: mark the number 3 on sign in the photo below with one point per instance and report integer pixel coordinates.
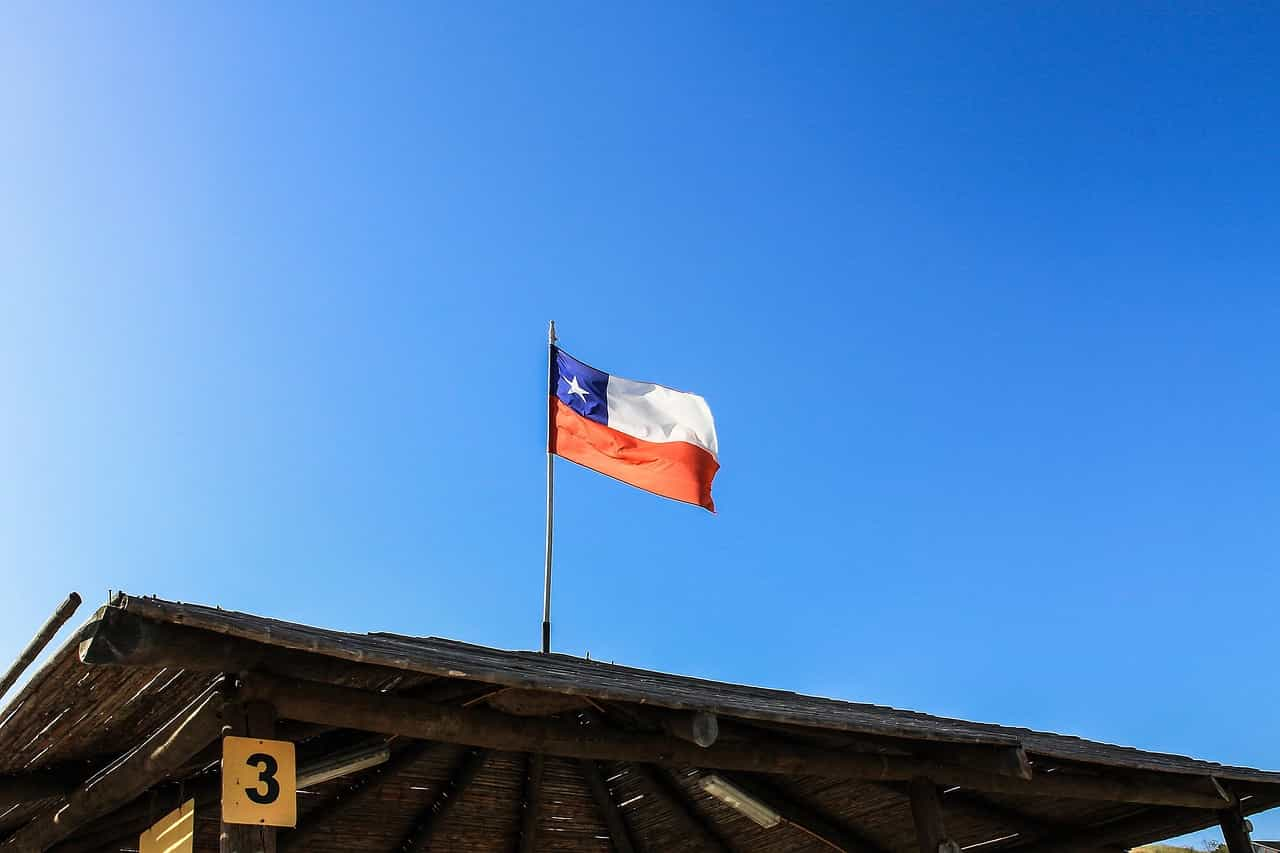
(259, 782)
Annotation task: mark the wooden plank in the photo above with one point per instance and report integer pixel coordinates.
(926, 811)
(166, 750)
(529, 813)
(257, 720)
(619, 832)
(356, 709)
(428, 820)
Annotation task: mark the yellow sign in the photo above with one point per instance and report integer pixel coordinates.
(173, 833)
(259, 782)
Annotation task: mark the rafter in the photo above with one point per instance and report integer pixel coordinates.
(428, 820)
(365, 790)
(534, 765)
(660, 782)
(825, 828)
(619, 833)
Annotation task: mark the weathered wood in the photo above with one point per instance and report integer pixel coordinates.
(1235, 830)
(428, 820)
(117, 637)
(150, 763)
(39, 641)
(619, 832)
(529, 813)
(926, 811)
(362, 793)
(349, 708)
(257, 720)
(807, 819)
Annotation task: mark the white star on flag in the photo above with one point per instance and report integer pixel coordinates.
(575, 388)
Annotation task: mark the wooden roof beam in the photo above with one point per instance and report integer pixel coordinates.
(376, 712)
(1144, 825)
(1003, 759)
(199, 724)
(428, 820)
(619, 832)
(830, 831)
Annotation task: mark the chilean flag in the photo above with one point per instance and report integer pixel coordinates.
(649, 436)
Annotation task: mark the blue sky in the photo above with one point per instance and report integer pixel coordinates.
(983, 297)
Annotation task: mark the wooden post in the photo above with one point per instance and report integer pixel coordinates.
(926, 808)
(1235, 830)
(254, 719)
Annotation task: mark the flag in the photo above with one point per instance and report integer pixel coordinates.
(649, 436)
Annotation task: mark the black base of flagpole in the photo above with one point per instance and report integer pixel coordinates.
(546, 638)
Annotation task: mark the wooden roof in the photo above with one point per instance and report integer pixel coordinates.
(573, 755)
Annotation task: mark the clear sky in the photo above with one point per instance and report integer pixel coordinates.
(984, 298)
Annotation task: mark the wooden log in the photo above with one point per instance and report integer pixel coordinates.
(699, 727)
(830, 831)
(428, 820)
(167, 749)
(926, 811)
(619, 833)
(360, 795)
(1003, 759)
(257, 720)
(529, 813)
(1235, 830)
(39, 641)
(348, 708)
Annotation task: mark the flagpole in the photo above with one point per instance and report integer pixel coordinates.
(551, 483)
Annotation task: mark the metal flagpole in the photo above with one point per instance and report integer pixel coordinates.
(551, 483)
